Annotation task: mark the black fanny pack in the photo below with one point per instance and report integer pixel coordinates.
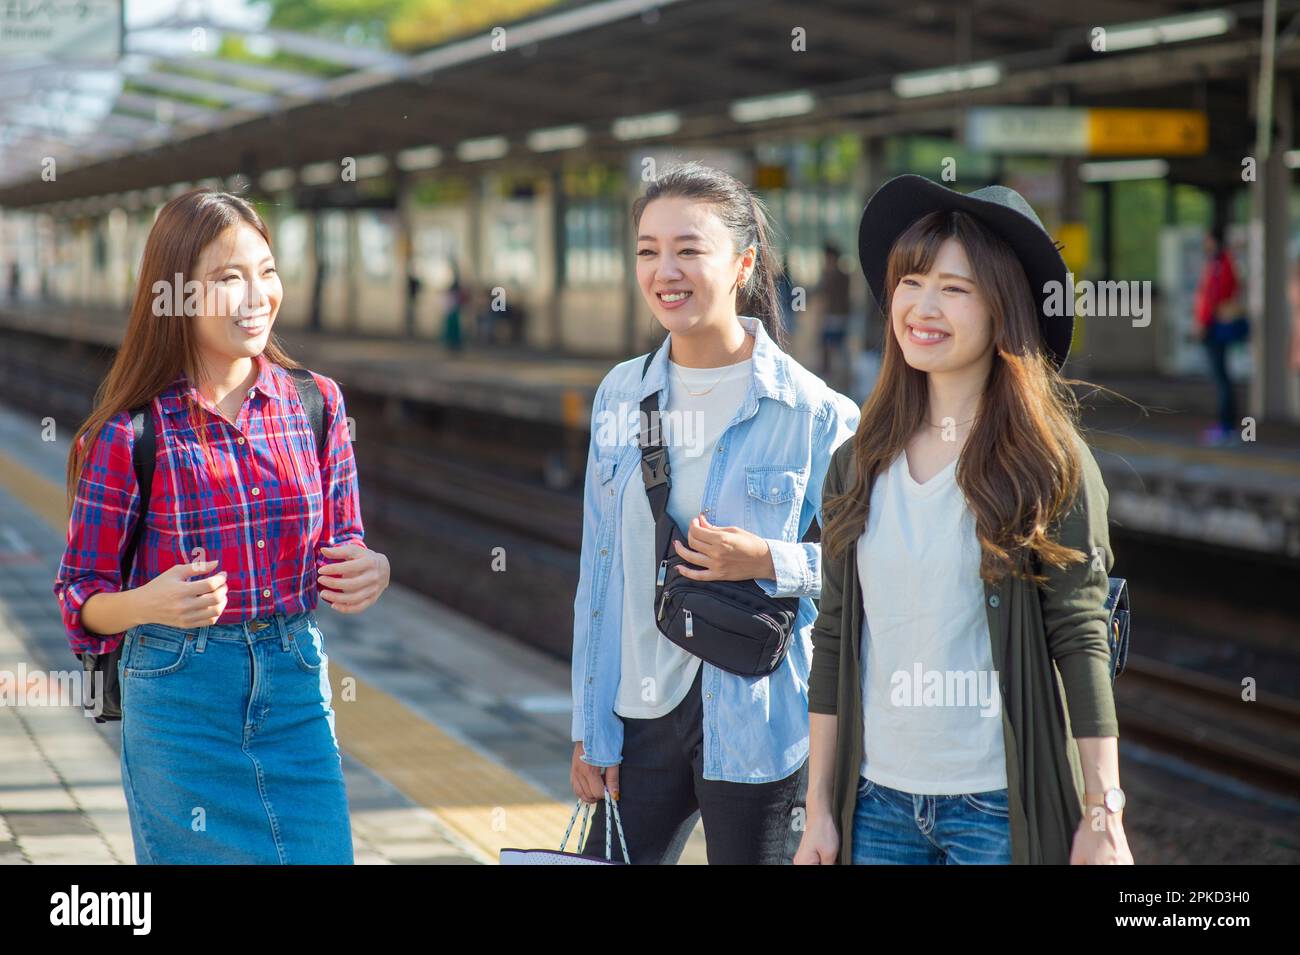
(732, 624)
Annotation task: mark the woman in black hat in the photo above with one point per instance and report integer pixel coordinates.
(965, 563)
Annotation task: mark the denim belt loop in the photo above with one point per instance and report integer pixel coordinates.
(202, 640)
(285, 639)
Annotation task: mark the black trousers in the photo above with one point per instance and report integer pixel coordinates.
(663, 792)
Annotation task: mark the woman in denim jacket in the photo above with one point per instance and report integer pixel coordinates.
(750, 435)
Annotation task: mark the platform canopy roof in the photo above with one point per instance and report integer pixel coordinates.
(610, 75)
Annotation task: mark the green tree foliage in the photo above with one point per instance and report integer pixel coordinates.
(401, 24)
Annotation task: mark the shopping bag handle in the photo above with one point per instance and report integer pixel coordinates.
(611, 809)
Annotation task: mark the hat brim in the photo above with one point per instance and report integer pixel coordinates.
(904, 199)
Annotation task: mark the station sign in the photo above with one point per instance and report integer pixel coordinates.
(84, 31)
(1083, 131)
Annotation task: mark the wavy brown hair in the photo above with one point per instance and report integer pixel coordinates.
(156, 348)
(1019, 468)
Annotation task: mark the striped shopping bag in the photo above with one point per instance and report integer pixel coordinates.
(563, 857)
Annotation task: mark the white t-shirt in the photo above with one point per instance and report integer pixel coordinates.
(656, 673)
(932, 707)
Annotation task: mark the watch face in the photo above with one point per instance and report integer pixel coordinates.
(1114, 799)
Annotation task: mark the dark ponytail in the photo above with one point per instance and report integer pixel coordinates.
(745, 218)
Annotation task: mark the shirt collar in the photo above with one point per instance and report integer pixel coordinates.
(771, 371)
(271, 380)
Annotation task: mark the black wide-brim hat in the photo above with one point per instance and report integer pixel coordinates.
(904, 199)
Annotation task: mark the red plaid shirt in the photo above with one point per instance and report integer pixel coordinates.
(262, 506)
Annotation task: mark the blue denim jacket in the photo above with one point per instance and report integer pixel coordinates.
(766, 476)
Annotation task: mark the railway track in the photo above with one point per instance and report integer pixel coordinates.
(1205, 720)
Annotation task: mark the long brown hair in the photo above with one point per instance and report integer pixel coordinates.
(156, 348)
(1019, 468)
(745, 218)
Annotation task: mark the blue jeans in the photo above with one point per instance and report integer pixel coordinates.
(228, 747)
(891, 827)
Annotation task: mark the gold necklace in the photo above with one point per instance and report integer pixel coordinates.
(959, 424)
(698, 394)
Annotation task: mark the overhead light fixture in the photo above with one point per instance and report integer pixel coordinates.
(557, 137)
(319, 173)
(419, 157)
(646, 126)
(1194, 26)
(1123, 169)
(758, 109)
(483, 148)
(367, 167)
(276, 180)
(947, 80)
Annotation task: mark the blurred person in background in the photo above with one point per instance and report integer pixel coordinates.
(1216, 305)
(832, 292)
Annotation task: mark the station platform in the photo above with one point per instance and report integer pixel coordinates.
(455, 739)
(1163, 482)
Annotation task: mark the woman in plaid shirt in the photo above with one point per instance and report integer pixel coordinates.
(229, 753)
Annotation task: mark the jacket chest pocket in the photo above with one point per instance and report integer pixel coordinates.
(773, 499)
(608, 466)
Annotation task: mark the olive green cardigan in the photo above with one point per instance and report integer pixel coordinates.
(1048, 644)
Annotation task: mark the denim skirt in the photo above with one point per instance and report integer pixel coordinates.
(229, 753)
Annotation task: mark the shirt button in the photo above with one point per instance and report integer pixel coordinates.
(604, 551)
(256, 492)
(595, 613)
(266, 593)
(252, 392)
(261, 544)
(776, 490)
(239, 441)
(994, 601)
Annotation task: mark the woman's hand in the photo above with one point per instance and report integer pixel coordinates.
(1098, 842)
(589, 782)
(725, 553)
(821, 841)
(354, 583)
(173, 600)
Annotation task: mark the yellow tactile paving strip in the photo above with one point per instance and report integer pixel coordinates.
(480, 800)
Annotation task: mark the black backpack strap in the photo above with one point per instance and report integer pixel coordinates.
(143, 458)
(313, 403)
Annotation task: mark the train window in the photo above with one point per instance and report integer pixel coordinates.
(593, 253)
(512, 244)
(291, 246)
(334, 240)
(375, 236)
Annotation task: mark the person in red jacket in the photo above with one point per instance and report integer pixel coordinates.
(1215, 296)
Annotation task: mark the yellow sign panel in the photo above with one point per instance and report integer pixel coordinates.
(1148, 132)
(770, 177)
(1073, 239)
